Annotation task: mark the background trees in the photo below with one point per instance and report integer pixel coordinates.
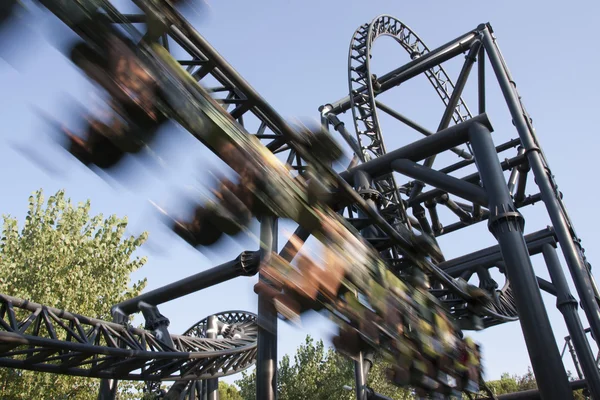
(319, 373)
(62, 256)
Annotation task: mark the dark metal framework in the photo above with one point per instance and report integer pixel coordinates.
(41, 338)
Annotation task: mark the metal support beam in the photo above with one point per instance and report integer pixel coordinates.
(546, 286)
(418, 150)
(534, 394)
(246, 264)
(413, 68)
(408, 122)
(530, 200)
(108, 387)
(473, 178)
(581, 278)
(362, 366)
(488, 257)
(464, 163)
(212, 385)
(459, 86)
(573, 353)
(360, 378)
(157, 323)
(341, 128)
(266, 359)
(507, 224)
(442, 181)
(481, 79)
(567, 305)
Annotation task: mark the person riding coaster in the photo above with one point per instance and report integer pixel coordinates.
(136, 99)
(135, 115)
(422, 354)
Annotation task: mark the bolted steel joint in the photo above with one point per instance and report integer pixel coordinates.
(248, 263)
(370, 194)
(505, 217)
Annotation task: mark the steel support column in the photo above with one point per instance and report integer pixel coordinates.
(266, 359)
(450, 184)
(362, 366)
(108, 387)
(507, 224)
(567, 305)
(212, 385)
(360, 378)
(581, 278)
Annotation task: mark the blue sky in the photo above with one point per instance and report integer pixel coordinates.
(295, 54)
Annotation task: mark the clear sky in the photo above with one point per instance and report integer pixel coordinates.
(295, 54)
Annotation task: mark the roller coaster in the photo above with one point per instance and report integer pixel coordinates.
(365, 200)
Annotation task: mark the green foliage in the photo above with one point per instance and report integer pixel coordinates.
(321, 374)
(65, 258)
(506, 384)
(228, 392)
(379, 382)
(317, 373)
(514, 383)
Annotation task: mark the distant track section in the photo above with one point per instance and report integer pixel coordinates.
(41, 338)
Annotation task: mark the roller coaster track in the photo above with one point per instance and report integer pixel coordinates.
(363, 103)
(362, 86)
(46, 339)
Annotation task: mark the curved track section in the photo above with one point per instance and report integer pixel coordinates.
(233, 323)
(364, 109)
(46, 339)
(363, 91)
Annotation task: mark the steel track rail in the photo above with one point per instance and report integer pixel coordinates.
(46, 339)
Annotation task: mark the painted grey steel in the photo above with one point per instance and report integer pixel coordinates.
(580, 273)
(420, 149)
(360, 378)
(108, 387)
(408, 122)
(359, 75)
(205, 61)
(567, 305)
(450, 184)
(226, 322)
(266, 362)
(507, 224)
(212, 385)
(116, 350)
(490, 256)
(413, 68)
(535, 394)
(569, 344)
(246, 264)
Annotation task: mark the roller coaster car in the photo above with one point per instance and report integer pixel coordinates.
(411, 328)
(235, 204)
(135, 98)
(7, 8)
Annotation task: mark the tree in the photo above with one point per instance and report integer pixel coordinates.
(228, 392)
(319, 374)
(65, 258)
(510, 384)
